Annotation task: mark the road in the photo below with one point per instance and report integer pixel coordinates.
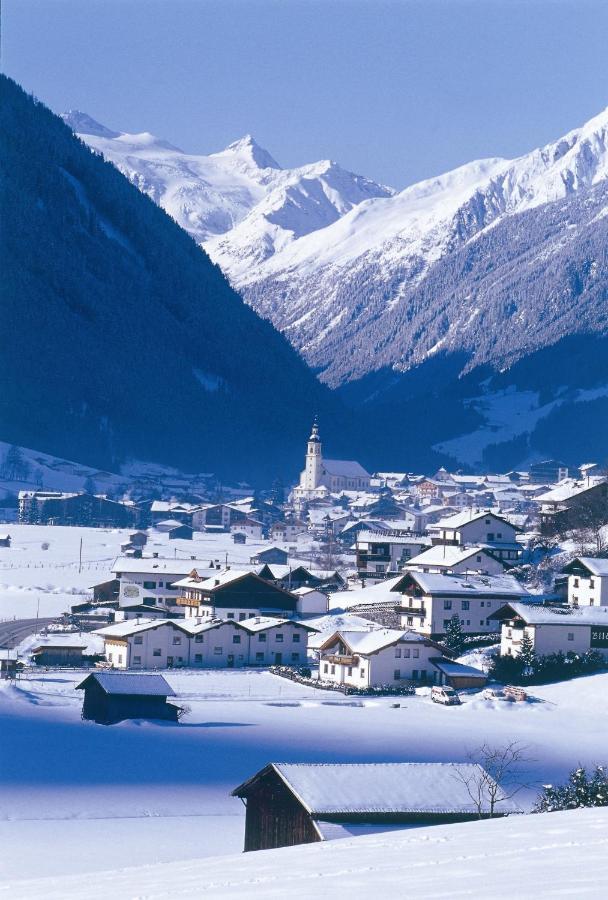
(12, 633)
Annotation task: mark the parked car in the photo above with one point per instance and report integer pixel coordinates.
(493, 693)
(445, 695)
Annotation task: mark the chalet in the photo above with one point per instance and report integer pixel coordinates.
(59, 650)
(587, 581)
(302, 803)
(287, 532)
(111, 697)
(270, 555)
(430, 601)
(288, 577)
(251, 528)
(479, 529)
(175, 530)
(383, 656)
(151, 581)
(381, 554)
(217, 516)
(555, 629)
(457, 560)
(233, 594)
(5, 540)
(572, 503)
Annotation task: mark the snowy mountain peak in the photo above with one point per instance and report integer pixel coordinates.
(248, 151)
(82, 123)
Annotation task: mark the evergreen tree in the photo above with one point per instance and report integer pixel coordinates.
(527, 654)
(454, 638)
(581, 790)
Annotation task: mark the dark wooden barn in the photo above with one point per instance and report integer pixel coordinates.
(302, 803)
(111, 697)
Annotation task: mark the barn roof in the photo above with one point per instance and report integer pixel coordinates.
(130, 684)
(333, 789)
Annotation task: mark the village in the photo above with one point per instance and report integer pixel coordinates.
(352, 591)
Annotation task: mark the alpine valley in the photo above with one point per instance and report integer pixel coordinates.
(467, 312)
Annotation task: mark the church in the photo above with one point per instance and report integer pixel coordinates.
(324, 476)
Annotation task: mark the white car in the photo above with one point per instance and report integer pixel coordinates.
(445, 695)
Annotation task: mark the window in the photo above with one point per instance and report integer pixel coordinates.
(478, 558)
(397, 652)
(423, 674)
(481, 621)
(466, 604)
(575, 601)
(109, 657)
(333, 670)
(236, 639)
(149, 585)
(591, 601)
(591, 583)
(138, 639)
(231, 615)
(406, 653)
(278, 638)
(380, 568)
(259, 657)
(487, 521)
(198, 638)
(415, 674)
(410, 620)
(242, 616)
(499, 534)
(295, 657)
(120, 659)
(446, 623)
(198, 657)
(362, 673)
(570, 635)
(177, 639)
(137, 660)
(575, 582)
(468, 621)
(296, 638)
(262, 638)
(149, 601)
(156, 651)
(447, 604)
(326, 668)
(217, 651)
(397, 674)
(416, 653)
(490, 535)
(350, 671)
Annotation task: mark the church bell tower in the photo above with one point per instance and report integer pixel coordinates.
(314, 461)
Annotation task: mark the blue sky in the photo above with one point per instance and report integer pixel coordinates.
(393, 89)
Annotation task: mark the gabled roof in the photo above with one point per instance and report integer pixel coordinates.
(130, 684)
(158, 566)
(553, 615)
(388, 537)
(568, 488)
(365, 642)
(331, 789)
(345, 468)
(465, 585)
(134, 626)
(446, 555)
(467, 516)
(594, 565)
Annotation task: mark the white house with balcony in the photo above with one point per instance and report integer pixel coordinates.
(385, 656)
(479, 528)
(151, 581)
(429, 601)
(382, 554)
(553, 629)
(587, 581)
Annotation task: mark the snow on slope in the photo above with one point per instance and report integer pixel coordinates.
(210, 196)
(557, 854)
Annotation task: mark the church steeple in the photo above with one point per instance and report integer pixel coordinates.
(314, 464)
(314, 434)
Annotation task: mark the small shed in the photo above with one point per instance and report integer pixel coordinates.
(138, 538)
(106, 591)
(270, 555)
(59, 650)
(458, 675)
(8, 663)
(5, 540)
(239, 538)
(303, 803)
(111, 697)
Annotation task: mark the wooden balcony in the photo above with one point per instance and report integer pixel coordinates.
(186, 601)
(339, 659)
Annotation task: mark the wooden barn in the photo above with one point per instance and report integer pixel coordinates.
(303, 803)
(111, 697)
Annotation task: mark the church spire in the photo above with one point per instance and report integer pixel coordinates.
(314, 435)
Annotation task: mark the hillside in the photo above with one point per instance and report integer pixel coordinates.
(544, 856)
(120, 339)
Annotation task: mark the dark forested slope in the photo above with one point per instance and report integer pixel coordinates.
(119, 338)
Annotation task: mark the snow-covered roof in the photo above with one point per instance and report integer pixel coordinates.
(346, 468)
(448, 667)
(596, 566)
(372, 641)
(212, 578)
(568, 488)
(156, 566)
(554, 615)
(133, 626)
(444, 555)
(131, 683)
(67, 641)
(328, 789)
(467, 585)
(377, 593)
(464, 518)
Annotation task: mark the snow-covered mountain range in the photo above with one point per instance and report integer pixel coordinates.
(387, 294)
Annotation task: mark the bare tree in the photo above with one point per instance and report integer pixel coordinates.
(497, 777)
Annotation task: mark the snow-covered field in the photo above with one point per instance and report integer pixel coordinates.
(54, 577)
(555, 855)
(143, 793)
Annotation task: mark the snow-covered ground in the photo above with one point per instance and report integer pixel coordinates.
(142, 793)
(55, 577)
(554, 855)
